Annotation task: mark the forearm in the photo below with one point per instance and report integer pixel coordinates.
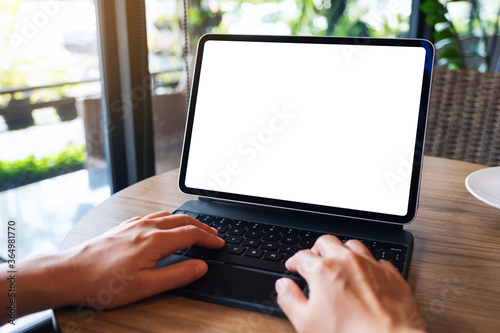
(40, 283)
(121, 261)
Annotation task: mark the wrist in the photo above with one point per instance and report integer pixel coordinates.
(393, 325)
(409, 330)
(406, 329)
(45, 282)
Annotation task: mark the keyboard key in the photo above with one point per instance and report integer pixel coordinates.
(289, 248)
(236, 231)
(255, 226)
(193, 215)
(221, 228)
(236, 249)
(239, 224)
(377, 253)
(207, 219)
(389, 255)
(251, 242)
(274, 256)
(385, 255)
(285, 257)
(253, 234)
(290, 232)
(395, 248)
(221, 221)
(272, 228)
(195, 252)
(399, 257)
(290, 239)
(247, 243)
(374, 245)
(233, 239)
(272, 236)
(308, 234)
(268, 245)
(344, 239)
(255, 253)
(229, 258)
(307, 243)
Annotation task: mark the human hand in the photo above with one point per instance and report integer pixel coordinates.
(349, 291)
(119, 266)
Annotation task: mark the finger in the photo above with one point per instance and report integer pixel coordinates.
(157, 215)
(304, 262)
(136, 218)
(358, 247)
(398, 286)
(389, 267)
(186, 236)
(328, 246)
(291, 299)
(181, 220)
(175, 276)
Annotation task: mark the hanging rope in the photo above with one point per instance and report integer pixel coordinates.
(186, 52)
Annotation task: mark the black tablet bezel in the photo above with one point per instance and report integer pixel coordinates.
(335, 211)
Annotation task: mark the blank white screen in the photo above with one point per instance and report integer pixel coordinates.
(332, 125)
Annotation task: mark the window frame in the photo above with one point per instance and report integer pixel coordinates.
(126, 87)
(126, 91)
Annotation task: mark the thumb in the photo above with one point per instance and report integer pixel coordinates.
(176, 275)
(290, 299)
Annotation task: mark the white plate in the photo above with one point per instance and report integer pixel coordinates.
(484, 184)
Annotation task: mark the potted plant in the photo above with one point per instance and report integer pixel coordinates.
(56, 97)
(17, 113)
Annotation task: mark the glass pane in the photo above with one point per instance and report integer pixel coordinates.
(476, 47)
(385, 18)
(52, 164)
(329, 18)
(165, 42)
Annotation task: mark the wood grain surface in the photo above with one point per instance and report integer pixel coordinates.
(454, 273)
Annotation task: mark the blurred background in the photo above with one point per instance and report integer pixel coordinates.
(62, 150)
(53, 156)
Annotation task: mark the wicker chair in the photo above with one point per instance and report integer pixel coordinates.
(464, 116)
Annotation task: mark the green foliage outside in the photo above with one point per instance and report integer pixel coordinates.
(31, 169)
(300, 17)
(320, 18)
(449, 34)
(464, 41)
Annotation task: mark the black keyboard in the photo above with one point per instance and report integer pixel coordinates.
(268, 247)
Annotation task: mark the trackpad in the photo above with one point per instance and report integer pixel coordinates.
(238, 286)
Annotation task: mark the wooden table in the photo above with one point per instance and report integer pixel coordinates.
(454, 274)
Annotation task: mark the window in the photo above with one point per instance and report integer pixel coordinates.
(388, 18)
(52, 163)
(51, 94)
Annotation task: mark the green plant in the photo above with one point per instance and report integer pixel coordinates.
(449, 38)
(310, 17)
(31, 169)
(203, 19)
